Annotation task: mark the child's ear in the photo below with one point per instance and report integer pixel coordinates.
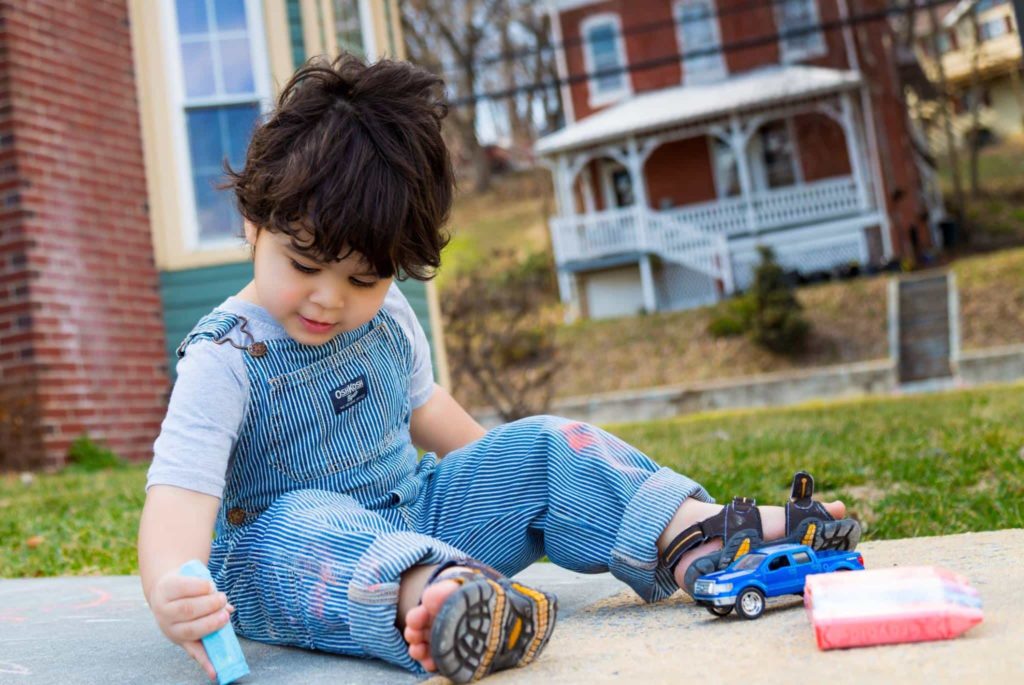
(250, 233)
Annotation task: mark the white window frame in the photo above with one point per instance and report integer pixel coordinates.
(817, 49)
(189, 216)
(608, 169)
(707, 75)
(595, 98)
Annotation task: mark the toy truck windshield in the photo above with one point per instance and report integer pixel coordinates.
(749, 561)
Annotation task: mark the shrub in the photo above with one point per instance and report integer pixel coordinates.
(777, 322)
(86, 455)
(732, 318)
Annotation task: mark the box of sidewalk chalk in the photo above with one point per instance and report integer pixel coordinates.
(886, 606)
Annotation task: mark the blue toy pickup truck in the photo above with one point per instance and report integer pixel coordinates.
(768, 572)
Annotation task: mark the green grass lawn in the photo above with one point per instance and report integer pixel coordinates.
(912, 466)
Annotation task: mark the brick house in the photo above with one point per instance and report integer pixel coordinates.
(699, 129)
(114, 118)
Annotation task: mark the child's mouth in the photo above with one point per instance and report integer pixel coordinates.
(315, 326)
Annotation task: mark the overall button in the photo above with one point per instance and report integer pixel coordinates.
(236, 517)
(257, 349)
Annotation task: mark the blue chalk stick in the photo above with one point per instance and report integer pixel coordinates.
(221, 646)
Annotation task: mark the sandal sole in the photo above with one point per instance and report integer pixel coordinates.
(482, 621)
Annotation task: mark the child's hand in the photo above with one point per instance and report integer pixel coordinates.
(187, 610)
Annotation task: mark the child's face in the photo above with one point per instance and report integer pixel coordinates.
(313, 301)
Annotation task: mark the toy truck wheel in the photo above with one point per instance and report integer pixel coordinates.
(750, 603)
(719, 611)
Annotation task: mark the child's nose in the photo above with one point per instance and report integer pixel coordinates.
(328, 296)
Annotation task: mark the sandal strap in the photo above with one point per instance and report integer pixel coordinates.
(801, 505)
(739, 514)
(476, 569)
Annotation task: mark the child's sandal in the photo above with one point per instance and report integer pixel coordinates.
(489, 624)
(739, 527)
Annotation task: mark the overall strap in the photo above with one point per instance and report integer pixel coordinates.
(214, 326)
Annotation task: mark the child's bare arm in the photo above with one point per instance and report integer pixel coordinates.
(441, 424)
(176, 526)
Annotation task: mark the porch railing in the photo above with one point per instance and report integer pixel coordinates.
(636, 229)
(770, 209)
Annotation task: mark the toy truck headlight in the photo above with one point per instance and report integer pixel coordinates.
(717, 588)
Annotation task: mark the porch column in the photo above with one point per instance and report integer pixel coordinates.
(853, 149)
(641, 205)
(563, 206)
(738, 138)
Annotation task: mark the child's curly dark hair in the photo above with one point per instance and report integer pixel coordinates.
(352, 159)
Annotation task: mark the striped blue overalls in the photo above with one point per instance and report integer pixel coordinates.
(326, 505)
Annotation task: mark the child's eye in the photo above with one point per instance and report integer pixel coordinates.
(362, 284)
(304, 269)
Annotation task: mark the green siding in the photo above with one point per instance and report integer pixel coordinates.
(190, 294)
(295, 33)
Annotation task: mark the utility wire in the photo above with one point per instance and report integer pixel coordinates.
(633, 29)
(676, 57)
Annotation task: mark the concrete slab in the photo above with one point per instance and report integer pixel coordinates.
(623, 640)
(98, 630)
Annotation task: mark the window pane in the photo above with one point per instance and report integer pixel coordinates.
(603, 45)
(216, 212)
(215, 133)
(191, 16)
(197, 62)
(204, 141)
(236, 66)
(238, 123)
(230, 14)
(698, 35)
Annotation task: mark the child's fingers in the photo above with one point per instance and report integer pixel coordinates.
(199, 628)
(196, 651)
(175, 586)
(189, 609)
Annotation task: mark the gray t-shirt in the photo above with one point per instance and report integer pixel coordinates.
(211, 395)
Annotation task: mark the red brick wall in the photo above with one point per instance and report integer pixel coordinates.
(80, 316)
(822, 147)
(680, 171)
(656, 44)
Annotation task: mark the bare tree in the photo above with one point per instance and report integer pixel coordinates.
(455, 32)
(975, 102)
(500, 324)
(947, 121)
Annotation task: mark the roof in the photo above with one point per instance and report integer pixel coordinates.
(684, 104)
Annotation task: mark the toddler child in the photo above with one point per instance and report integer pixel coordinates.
(292, 429)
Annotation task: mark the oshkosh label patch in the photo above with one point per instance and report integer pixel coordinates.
(349, 393)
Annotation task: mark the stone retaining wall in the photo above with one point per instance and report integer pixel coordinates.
(776, 389)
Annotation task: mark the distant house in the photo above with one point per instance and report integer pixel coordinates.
(980, 48)
(699, 129)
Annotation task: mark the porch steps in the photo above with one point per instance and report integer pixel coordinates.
(925, 337)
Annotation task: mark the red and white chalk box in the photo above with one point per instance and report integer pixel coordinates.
(886, 606)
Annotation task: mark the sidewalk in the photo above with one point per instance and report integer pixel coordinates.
(98, 630)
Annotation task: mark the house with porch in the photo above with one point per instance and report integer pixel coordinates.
(698, 130)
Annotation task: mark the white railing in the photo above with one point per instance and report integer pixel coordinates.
(801, 204)
(697, 235)
(636, 229)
